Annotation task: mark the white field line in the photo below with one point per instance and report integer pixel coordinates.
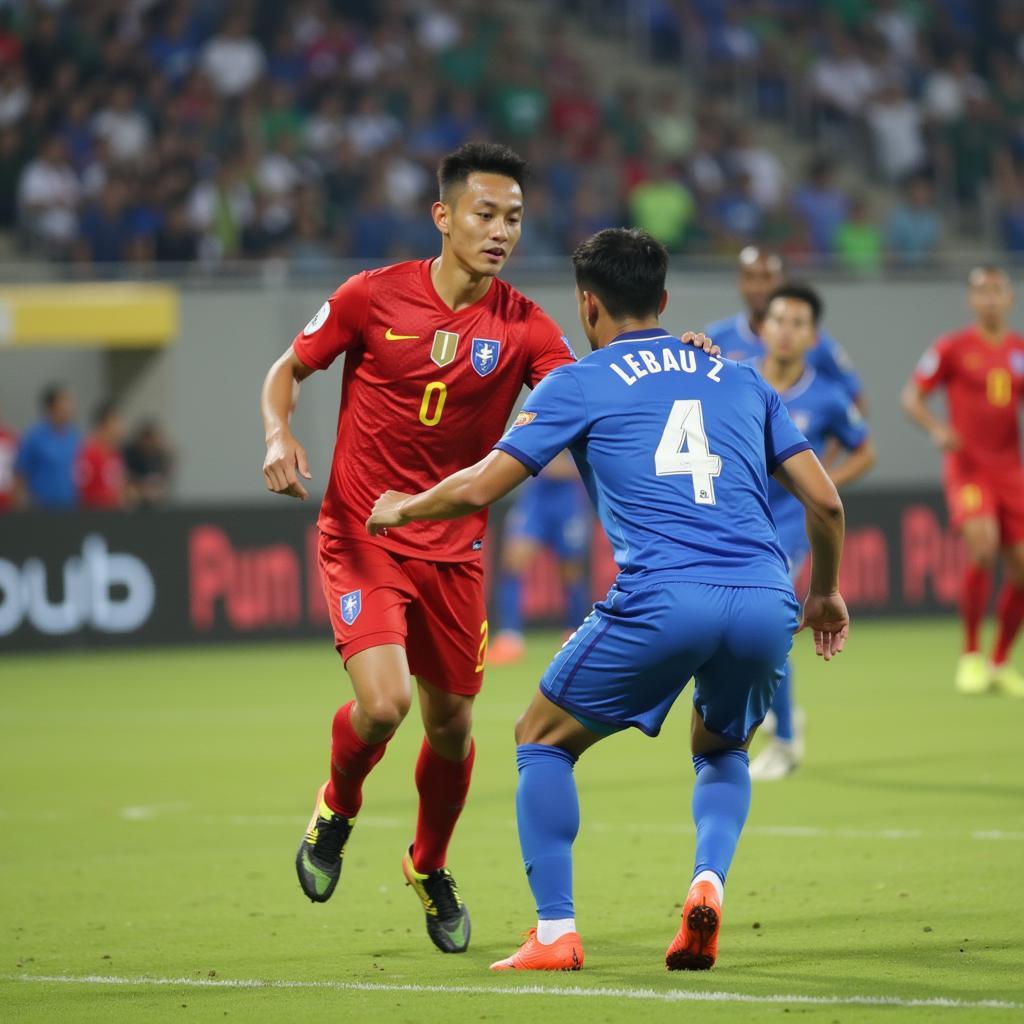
(574, 991)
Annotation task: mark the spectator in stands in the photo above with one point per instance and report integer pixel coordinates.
(897, 133)
(107, 231)
(9, 490)
(124, 127)
(821, 205)
(48, 195)
(12, 163)
(859, 241)
(663, 206)
(914, 228)
(47, 452)
(99, 468)
(176, 241)
(233, 60)
(149, 465)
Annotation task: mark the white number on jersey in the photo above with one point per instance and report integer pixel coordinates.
(685, 430)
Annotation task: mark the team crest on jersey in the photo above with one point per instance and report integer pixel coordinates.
(1017, 363)
(523, 418)
(351, 605)
(801, 421)
(484, 355)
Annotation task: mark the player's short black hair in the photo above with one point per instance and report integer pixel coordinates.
(800, 292)
(50, 395)
(987, 270)
(625, 268)
(482, 158)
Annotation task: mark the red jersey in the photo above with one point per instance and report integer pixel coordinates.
(984, 384)
(99, 473)
(425, 392)
(8, 455)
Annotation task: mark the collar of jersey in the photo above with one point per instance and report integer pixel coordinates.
(799, 387)
(647, 334)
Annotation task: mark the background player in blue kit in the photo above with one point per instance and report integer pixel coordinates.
(823, 411)
(675, 448)
(550, 512)
(739, 335)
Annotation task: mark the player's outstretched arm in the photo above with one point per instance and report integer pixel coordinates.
(285, 459)
(460, 494)
(913, 401)
(825, 611)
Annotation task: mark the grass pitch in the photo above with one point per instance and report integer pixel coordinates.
(151, 804)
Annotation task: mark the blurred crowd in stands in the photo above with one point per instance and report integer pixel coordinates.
(55, 465)
(168, 131)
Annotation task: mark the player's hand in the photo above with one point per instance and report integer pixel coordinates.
(700, 340)
(945, 438)
(387, 512)
(285, 462)
(827, 618)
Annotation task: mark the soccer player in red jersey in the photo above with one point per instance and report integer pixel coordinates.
(8, 480)
(437, 352)
(99, 467)
(981, 368)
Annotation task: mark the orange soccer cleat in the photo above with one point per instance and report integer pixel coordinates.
(564, 954)
(695, 946)
(507, 649)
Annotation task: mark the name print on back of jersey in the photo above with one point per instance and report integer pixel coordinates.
(643, 362)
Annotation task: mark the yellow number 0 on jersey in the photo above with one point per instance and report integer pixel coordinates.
(435, 387)
(999, 385)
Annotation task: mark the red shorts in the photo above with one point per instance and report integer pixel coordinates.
(999, 496)
(435, 610)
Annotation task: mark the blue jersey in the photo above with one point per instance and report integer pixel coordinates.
(675, 448)
(828, 357)
(821, 409)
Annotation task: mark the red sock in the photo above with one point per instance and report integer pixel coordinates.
(351, 762)
(973, 602)
(443, 786)
(1010, 611)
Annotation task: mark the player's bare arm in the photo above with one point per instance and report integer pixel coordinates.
(854, 465)
(943, 436)
(286, 459)
(825, 611)
(468, 490)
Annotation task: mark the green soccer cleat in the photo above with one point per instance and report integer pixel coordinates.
(973, 674)
(447, 916)
(318, 861)
(1007, 680)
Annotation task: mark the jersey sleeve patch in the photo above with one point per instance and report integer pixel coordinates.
(318, 320)
(522, 419)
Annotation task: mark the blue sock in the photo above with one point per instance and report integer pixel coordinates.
(577, 603)
(721, 799)
(510, 602)
(548, 813)
(783, 705)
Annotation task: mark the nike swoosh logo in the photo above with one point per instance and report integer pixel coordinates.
(458, 933)
(389, 335)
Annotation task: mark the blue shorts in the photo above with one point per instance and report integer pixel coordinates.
(555, 514)
(638, 649)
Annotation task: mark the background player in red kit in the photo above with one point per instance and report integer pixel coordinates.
(99, 468)
(437, 352)
(981, 368)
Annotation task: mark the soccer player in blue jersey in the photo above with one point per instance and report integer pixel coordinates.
(822, 410)
(550, 512)
(739, 336)
(675, 448)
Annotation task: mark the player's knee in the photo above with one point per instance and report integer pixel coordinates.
(386, 711)
(453, 730)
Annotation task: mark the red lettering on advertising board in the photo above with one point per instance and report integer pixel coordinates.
(258, 587)
(933, 557)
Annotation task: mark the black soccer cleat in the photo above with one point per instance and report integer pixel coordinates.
(318, 861)
(446, 914)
